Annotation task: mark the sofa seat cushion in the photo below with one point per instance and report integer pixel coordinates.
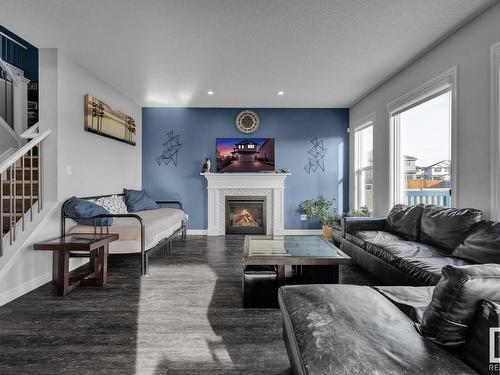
(392, 252)
(361, 237)
(348, 329)
(412, 300)
(159, 224)
(428, 270)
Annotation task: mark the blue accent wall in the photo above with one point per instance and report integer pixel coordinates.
(292, 129)
(31, 62)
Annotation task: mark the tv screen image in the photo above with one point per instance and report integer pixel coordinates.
(245, 154)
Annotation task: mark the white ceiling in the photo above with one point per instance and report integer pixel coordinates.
(321, 53)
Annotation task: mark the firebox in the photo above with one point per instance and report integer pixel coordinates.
(245, 215)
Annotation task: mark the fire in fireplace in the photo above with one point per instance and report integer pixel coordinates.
(245, 215)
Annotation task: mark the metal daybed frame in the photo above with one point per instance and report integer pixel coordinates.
(145, 254)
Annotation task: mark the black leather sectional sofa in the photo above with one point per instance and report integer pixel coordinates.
(413, 244)
(428, 320)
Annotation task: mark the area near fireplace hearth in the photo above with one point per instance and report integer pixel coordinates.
(201, 130)
(249, 188)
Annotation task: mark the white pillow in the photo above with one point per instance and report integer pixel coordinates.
(114, 204)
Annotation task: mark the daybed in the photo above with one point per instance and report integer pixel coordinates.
(142, 232)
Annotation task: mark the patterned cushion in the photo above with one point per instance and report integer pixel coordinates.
(114, 204)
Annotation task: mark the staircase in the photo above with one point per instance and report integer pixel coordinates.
(21, 192)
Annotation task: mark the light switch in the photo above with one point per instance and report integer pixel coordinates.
(68, 170)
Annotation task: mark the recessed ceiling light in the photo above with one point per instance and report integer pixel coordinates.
(210, 92)
(281, 93)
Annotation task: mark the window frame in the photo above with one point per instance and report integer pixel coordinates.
(433, 88)
(356, 127)
(495, 130)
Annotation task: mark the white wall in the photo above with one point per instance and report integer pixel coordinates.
(469, 49)
(99, 165)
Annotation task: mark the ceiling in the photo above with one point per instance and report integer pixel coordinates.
(321, 53)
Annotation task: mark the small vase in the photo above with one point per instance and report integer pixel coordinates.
(327, 232)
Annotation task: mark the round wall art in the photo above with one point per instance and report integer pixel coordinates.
(247, 121)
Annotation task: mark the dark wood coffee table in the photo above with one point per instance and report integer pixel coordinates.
(312, 254)
(97, 247)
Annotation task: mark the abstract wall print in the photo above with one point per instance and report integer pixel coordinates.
(317, 160)
(107, 121)
(171, 149)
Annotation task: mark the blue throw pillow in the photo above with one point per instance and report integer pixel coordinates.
(83, 211)
(139, 200)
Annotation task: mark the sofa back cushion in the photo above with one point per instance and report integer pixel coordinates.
(447, 227)
(405, 220)
(477, 349)
(456, 299)
(139, 200)
(84, 211)
(482, 245)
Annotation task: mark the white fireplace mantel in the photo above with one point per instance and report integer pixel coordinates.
(269, 185)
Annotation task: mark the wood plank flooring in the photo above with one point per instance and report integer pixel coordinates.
(186, 318)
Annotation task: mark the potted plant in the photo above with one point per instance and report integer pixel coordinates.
(361, 212)
(323, 210)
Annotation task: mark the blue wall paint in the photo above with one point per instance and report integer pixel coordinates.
(292, 129)
(31, 62)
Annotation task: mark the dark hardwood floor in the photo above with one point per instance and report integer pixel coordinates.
(186, 318)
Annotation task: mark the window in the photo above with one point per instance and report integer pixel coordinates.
(422, 152)
(363, 160)
(422, 131)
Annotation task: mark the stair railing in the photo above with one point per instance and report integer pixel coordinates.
(24, 168)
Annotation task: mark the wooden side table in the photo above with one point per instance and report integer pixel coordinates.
(95, 244)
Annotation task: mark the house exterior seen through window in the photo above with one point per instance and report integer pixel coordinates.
(423, 147)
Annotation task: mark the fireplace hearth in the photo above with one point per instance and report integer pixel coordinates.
(245, 215)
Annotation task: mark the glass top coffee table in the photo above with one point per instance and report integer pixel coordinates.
(306, 251)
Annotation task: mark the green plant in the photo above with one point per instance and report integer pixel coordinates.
(320, 209)
(362, 212)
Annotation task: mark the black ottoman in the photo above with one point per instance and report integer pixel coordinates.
(260, 286)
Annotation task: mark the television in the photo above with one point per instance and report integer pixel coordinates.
(245, 155)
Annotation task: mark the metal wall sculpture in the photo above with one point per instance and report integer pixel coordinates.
(171, 148)
(318, 152)
(107, 121)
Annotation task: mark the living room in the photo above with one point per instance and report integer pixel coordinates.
(267, 187)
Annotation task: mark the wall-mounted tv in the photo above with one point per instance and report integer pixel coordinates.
(245, 155)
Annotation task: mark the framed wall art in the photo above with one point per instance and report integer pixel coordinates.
(102, 119)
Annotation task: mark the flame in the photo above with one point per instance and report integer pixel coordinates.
(245, 219)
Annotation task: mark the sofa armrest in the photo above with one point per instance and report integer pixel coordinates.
(354, 224)
(177, 203)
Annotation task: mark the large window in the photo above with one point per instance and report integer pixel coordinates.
(363, 159)
(422, 151)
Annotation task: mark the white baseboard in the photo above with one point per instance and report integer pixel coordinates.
(303, 232)
(288, 232)
(196, 232)
(24, 288)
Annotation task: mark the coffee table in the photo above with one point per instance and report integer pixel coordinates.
(311, 254)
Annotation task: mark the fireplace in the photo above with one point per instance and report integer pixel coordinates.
(245, 215)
